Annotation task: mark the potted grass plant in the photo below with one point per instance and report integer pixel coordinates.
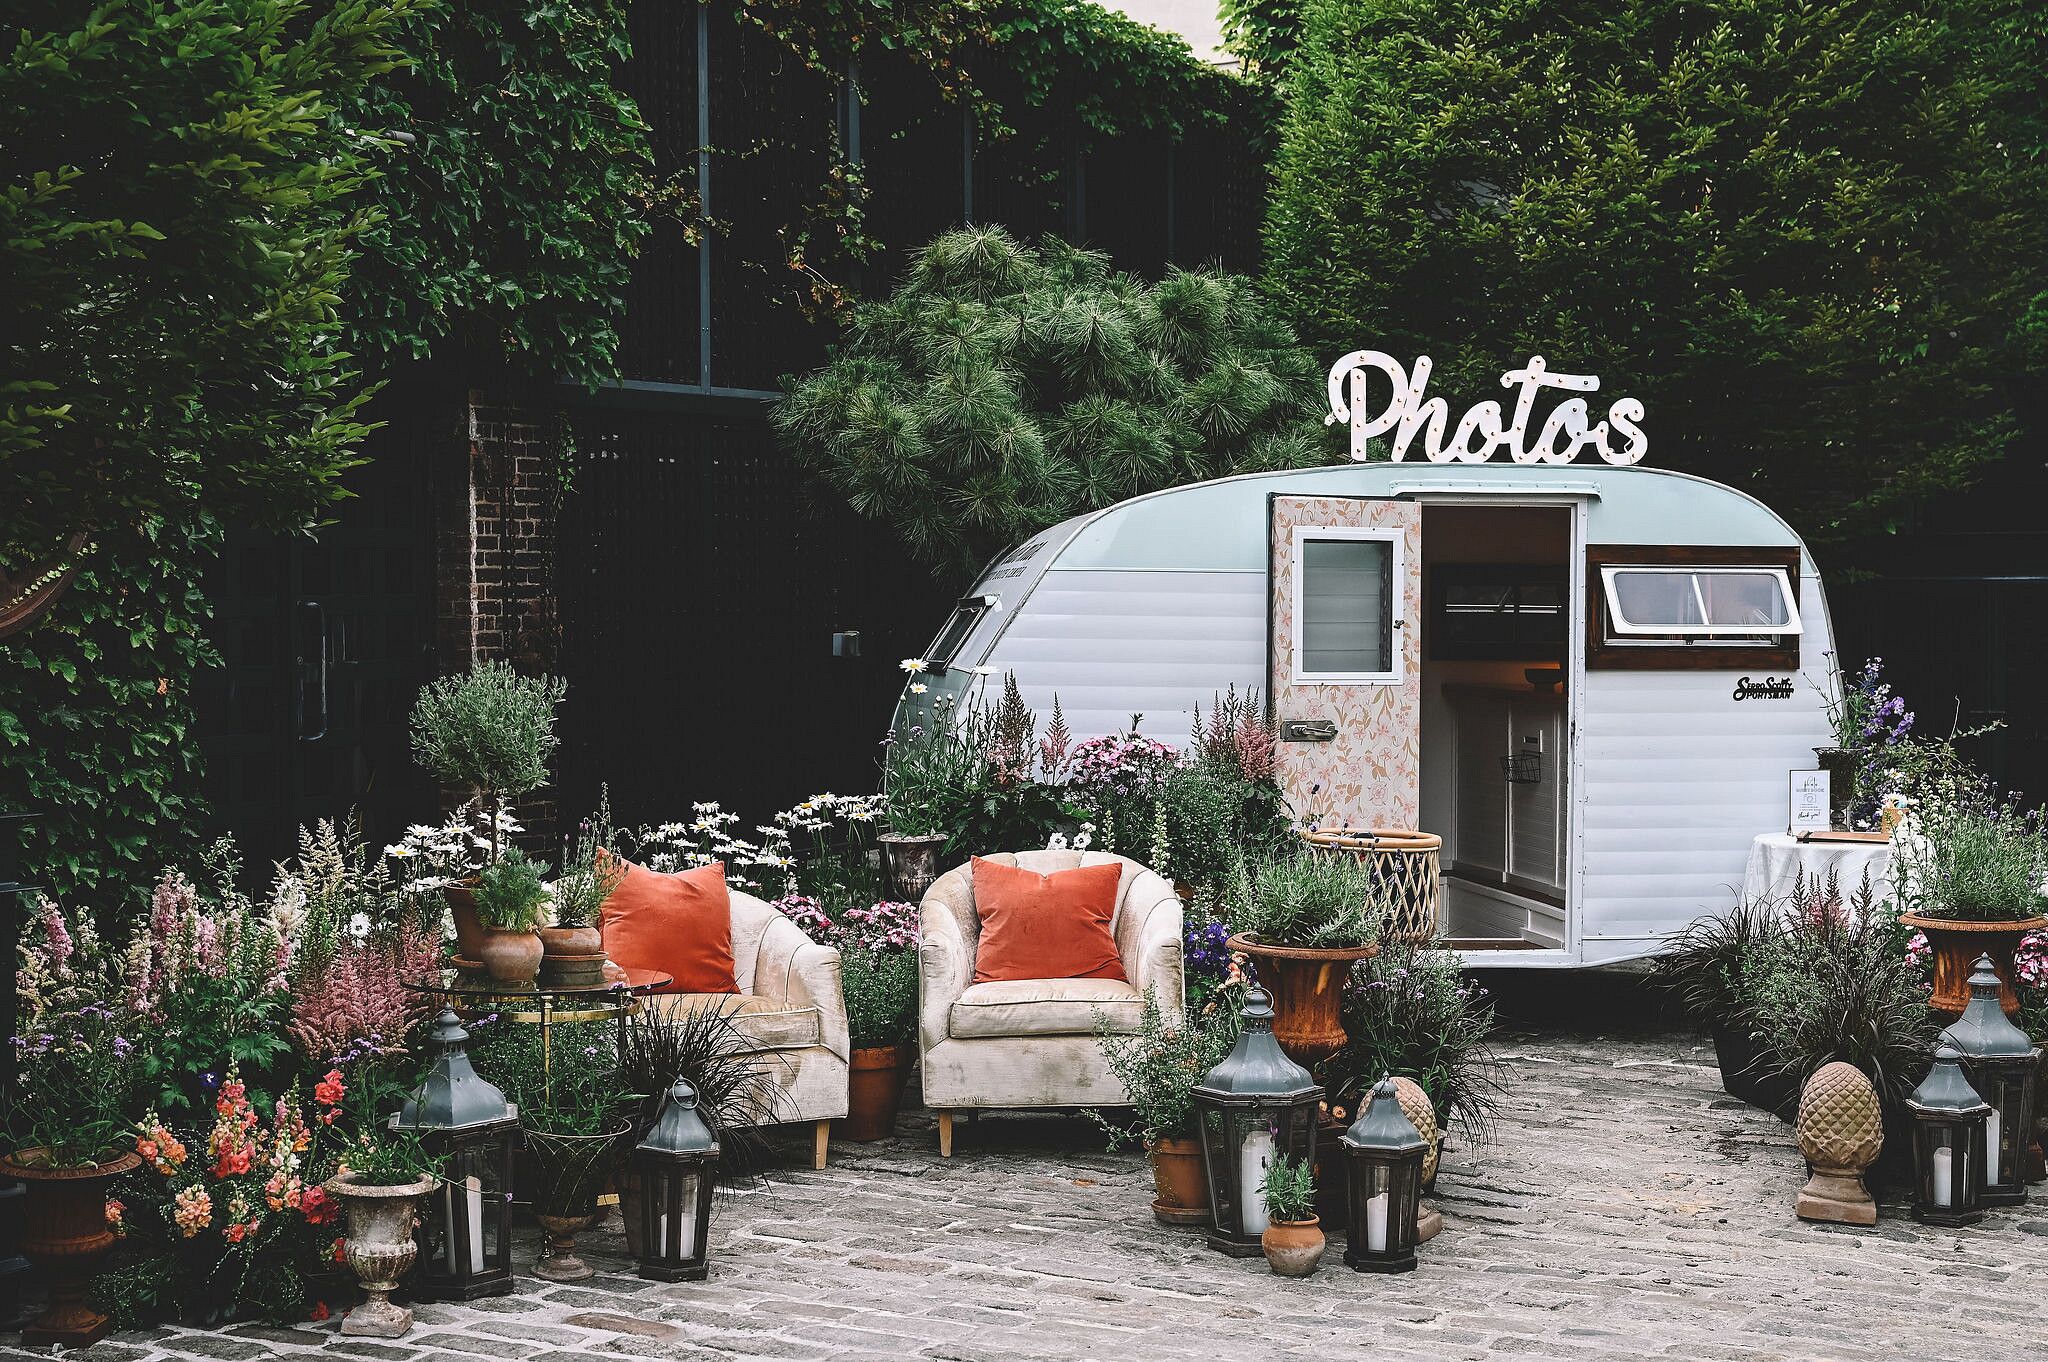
(490, 731)
(1969, 872)
(1703, 967)
(1159, 1065)
(928, 769)
(1305, 919)
(1293, 1237)
(572, 946)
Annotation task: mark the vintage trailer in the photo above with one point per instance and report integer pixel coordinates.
(1591, 679)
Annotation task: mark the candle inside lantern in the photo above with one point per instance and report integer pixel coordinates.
(1991, 1146)
(1944, 1180)
(1254, 1158)
(1376, 1223)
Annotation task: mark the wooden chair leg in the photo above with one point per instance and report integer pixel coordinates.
(945, 1134)
(824, 1138)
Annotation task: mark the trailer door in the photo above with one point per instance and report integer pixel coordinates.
(1344, 645)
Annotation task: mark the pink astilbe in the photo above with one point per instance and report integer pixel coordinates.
(1253, 744)
(356, 1005)
(1053, 747)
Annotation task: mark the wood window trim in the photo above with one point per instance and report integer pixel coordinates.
(1603, 656)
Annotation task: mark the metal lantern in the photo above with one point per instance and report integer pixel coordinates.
(1949, 1120)
(2002, 1064)
(1256, 1106)
(1383, 1155)
(676, 1167)
(464, 1120)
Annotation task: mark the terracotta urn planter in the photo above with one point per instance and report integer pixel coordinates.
(909, 864)
(1181, 1189)
(1957, 942)
(874, 1092)
(571, 957)
(510, 958)
(1294, 1248)
(469, 928)
(65, 1234)
(1308, 994)
(379, 1249)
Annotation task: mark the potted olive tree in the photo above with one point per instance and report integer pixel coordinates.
(1969, 874)
(1159, 1065)
(490, 731)
(1304, 920)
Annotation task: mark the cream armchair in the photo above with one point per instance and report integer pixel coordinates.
(791, 1007)
(1032, 1043)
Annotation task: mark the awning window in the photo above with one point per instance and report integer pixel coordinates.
(954, 636)
(1699, 602)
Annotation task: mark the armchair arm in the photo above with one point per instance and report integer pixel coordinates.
(792, 971)
(945, 958)
(1152, 959)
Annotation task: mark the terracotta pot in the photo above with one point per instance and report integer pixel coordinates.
(65, 1233)
(1180, 1186)
(909, 865)
(1308, 994)
(1956, 944)
(510, 958)
(874, 1092)
(1294, 1248)
(469, 928)
(571, 957)
(379, 1249)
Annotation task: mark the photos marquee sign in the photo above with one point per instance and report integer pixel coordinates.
(1485, 429)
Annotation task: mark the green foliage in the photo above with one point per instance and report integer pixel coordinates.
(491, 730)
(1159, 1065)
(1803, 237)
(510, 893)
(507, 226)
(1263, 34)
(1981, 861)
(590, 869)
(736, 1091)
(1703, 966)
(96, 717)
(1306, 899)
(881, 994)
(1410, 1010)
(1003, 387)
(962, 779)
(1289, 1189)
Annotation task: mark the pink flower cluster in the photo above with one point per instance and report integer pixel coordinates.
(881, 927)
(1122, 763)
(2030, 960)
(357, 1004)
(808, 914)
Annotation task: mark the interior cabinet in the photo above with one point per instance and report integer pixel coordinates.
(1511, 796)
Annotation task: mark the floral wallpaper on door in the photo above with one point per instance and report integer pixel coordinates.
(1369, 775)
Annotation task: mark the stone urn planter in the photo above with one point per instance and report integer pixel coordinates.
(1957, 942)
(511, 959)
(874, 1092)
(1294, 1248)
(379, 1249)
(569, 1173)
(1308, 994)
(571, 957)
(65, 1234)
(909, 864)
(1180, 1188)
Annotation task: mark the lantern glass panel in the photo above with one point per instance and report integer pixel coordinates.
(1949, 1157)
(466, 1225)
(2009, 1086)
(1385, 1196)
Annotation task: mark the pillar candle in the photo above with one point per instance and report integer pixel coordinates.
(1944, 1181)
(1376, 1223)
(1254, 1157)
(1991, 1147)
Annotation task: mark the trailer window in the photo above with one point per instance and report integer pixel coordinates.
(1346, 605)
(1666, 603)
(953, 637)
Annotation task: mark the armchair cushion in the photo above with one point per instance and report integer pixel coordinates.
(1045, 1007)
(769, 1025)
(1046, 926)
(679, 924)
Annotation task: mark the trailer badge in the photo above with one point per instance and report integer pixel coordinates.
(1770, 688)
(1484, 429)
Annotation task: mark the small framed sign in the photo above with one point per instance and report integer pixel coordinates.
(1809, 802)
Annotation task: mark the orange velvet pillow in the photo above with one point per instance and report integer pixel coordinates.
(679, 924)
(1053, 926)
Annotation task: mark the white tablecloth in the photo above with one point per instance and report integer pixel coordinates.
(1777, 859)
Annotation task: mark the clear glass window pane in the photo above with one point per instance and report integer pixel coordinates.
(957, 629)
(1345, 588)
(1746, 598)
(1665, 598)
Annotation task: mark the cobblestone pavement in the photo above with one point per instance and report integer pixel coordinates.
(1627, 1209)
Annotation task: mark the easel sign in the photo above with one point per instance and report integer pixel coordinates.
(1810, 791)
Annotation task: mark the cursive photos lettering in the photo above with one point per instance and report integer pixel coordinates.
(1486, 428)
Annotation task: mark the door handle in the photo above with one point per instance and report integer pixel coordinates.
(311, 680)
(1308, 730)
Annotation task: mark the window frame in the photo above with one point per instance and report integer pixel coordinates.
(1620, 627)
(1699, 648)
(1396, 541)
(982, 605)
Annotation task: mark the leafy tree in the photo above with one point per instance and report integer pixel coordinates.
(1804, 236)
(175, 224)
(1003, 387)
(508, 220)
(1263, 34)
